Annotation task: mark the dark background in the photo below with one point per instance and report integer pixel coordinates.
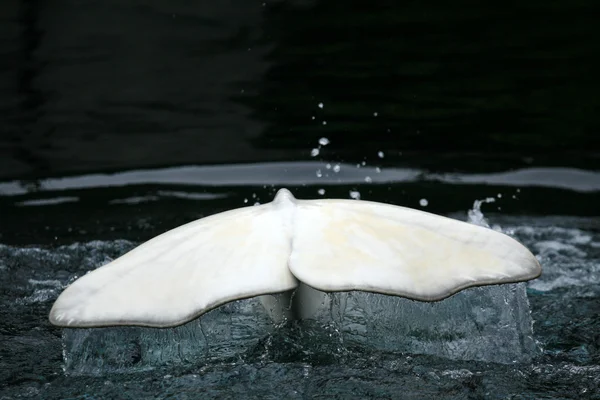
(111, 85)
(439, 87)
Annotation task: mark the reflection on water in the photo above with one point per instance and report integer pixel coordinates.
(307, 173)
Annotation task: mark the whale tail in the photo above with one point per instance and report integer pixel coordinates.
(313, 245)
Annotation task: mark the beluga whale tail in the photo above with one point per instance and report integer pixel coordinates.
(310, 246)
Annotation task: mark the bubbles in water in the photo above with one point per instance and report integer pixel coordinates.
(375, 114)
(328, 166)
(336, 168)
(355, 194)
(314, 152)
(457, 374)
(321, 191)
(323, 141)
(320, 105)
(319, 173)
(423, 202)
(499, 195)
(368, 179)
(324, 122)
(380, 154)
(38, 296)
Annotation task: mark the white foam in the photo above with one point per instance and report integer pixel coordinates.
(547, 248)
(569, 257)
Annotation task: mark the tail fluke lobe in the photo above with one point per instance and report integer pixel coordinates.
(342, 245)
(184, 273)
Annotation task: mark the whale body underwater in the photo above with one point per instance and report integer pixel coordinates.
(300, 248)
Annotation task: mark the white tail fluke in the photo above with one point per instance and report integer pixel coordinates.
(330, 245)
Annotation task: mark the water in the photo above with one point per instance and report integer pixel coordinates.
(121, 121)
(534, 340)
(105, 86)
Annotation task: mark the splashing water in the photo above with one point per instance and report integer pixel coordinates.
(475, 215)
(477, 344)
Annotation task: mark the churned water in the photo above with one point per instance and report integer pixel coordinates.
(521, 341)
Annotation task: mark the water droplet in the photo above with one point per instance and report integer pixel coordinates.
(323, 141)
(245, 201)
(368, 179)
(378, 170)
(319, 173)
(380, 154)
(320, 105)
(314, 152)
(313, 117)
(324, 122)
(336, 168)
(355, 194)
(375, 114)
(328, 166)
(423, 202)
(321, 191)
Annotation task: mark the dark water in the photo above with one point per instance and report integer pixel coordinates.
(399, 350)
(89, 85)
(120, 121)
